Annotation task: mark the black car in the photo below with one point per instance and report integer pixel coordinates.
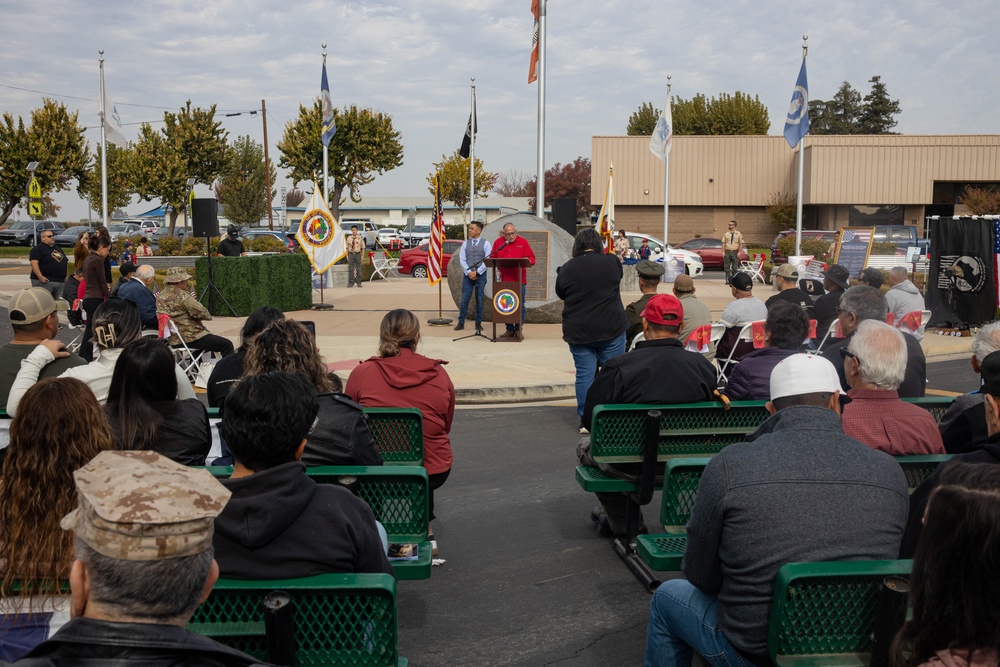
(22, 232)
(161, 232)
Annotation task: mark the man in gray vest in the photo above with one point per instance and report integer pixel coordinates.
(471, 255)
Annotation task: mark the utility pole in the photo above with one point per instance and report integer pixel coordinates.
(267, 169)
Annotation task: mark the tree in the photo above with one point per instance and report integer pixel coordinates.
(364, 146)
(780, 208)
(120, 185)
(569, 180)
(242, 186)
(191, 144)
(878, 116)
(728, 115)
(643, 120)
(513, 183)
(54, 139)
(848, 113)
(455, 179)
(981, 201)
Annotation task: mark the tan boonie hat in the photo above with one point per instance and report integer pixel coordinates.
(176, 274)
(683, 283)
(33, 304)
(142, 506)
(786, 270)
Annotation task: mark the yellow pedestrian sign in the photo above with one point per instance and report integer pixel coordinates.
(34, 189)
(35, 208)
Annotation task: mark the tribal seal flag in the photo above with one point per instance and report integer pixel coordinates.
(797, 121)
(506, 302)
(320, 234)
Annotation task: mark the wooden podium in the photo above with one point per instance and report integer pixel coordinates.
(507, 296)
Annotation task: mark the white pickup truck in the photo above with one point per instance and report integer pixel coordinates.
(414, 236)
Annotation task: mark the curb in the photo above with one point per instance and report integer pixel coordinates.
(536, 393)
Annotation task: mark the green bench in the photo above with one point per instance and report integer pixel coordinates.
(339, 619)
(398, 498)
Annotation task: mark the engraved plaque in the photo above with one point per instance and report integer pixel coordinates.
(538, 275)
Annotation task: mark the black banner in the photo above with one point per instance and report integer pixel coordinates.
(961, 286)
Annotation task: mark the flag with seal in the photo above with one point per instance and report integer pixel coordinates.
(320, 234)
(329, 118)
(797, 121)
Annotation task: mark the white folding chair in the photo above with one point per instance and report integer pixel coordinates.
(754, 266)
(834, 331)
(382, 264)
(746, 335)
(640, 337)
(187, 359)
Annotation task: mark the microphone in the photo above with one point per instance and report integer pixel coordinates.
(496, 250)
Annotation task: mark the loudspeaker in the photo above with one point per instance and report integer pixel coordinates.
(564, 214)
(205, 217)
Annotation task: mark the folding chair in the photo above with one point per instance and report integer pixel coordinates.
(754, 266)
(640, 337)
(746, 335)
(74, 345)
(834, 331)
(699, 340)
(912, 322)
(189, 360)
(382, 264)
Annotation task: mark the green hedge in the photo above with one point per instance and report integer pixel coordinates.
(282, 281)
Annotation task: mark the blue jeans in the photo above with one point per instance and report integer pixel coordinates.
(515, 327)
(587, 357)
(467, 286)
(682, 620)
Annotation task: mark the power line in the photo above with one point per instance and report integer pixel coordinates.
(227, 112)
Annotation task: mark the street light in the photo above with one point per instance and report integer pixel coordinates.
(32, 166)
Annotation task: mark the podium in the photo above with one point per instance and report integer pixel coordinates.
(507, 306)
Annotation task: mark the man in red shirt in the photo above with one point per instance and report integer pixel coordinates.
(508, 246)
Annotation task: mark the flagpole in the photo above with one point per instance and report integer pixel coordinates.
(472, 156)
(540, 179)
(104, 149)
(802, 152)
(326, 165)
(666, 186)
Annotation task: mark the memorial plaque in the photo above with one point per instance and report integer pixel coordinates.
(853, 247)
(538, 275)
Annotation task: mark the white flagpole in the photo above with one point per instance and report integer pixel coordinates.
(104, 149)
(802, 152)
(540, 179)
(472, 155)
(666, 184)
(326, 152)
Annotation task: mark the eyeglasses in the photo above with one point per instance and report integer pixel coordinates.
(845, 354)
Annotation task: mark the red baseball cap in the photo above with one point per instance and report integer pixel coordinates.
(664, 309)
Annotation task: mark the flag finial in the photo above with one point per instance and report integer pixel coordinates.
(669, 77)
(805, 45)
(324, 53)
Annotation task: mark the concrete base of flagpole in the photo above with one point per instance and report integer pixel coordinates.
(439, 321)
(322, 306)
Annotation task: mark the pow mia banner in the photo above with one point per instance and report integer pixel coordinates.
(961, 285)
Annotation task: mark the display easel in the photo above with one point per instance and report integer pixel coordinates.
(507, 303)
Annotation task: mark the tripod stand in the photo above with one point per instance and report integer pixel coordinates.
(211, 289)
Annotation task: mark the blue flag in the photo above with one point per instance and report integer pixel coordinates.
(797, 122)
(329, 120)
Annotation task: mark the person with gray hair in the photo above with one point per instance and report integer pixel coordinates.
(963, 427)
(903, 297)
(862, 303)
(875, 364)
(137, 291)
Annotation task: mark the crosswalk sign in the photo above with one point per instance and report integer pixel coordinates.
(35, 208)
(34, 188)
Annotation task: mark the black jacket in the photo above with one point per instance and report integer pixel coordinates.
(341, 438)
(86, 642)
(826, 311)
(280, 524)
(797, 297)
(963, 427)
(914, 381)
(226, 373)
(593, 312)
(184, 435)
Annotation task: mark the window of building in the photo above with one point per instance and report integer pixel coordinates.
(875, 214)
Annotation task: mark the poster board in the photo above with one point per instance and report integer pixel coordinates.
(673, 266)
(854, 244)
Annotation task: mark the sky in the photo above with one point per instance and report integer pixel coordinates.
(414, 61)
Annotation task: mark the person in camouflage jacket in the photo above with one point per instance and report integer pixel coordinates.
(187, 313)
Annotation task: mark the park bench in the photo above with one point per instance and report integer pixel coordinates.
(398, 498)
(334, 619)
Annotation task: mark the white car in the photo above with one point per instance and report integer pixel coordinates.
(693, 265)
(127, 229)
(387, 234)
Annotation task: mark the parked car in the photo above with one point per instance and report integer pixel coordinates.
(710, 251)
(827, 235)
(904, 236)
(387, 234)
(415, 235)
(248, 235)
(126, 229)
(692, 262)
(22, 232)
(67, 237)
(366, 228)
(148, 225)
(414, 260)
(161, 232)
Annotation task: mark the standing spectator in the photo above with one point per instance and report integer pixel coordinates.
(963, 427)
(593, 319)
(96, 291)
(785, 331)
(60, 429)
(48, 264)
(741, 311)
(144, 411)
(231, 246)
(355, 246)
(143, 250)
(137, 291)
(126, 256)
(732, 244)
(472, 255)
(229, 370)
(81, 250)
(621, 245)
(835, 281)
(512, 246)
(188, 314)
(399, 377)
(904, 298)
(786, 279)
(649, 274)
(644, 252)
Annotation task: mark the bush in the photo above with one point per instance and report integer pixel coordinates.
(818, 248)
(883, 248)
(119, 245)
(266, 243)
(454, 231)
(195, 245)
(282, 281)
(169, 246)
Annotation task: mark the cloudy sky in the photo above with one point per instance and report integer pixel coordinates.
(414, 60)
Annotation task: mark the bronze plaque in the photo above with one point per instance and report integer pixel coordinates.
(538, 275)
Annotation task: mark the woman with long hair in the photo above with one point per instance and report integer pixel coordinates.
(144, 411)
(341, 436)
(81, 249)
(229, 369)
(955, 583)
(60, 429)
(621, 245)
(96, 290)
(400, 377)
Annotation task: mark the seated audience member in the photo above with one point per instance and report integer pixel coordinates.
(144, 563)
(188, 314)
(956, 575)
(875, 362)
(963, 427)
(744, 309)
(862, 303)
(279, 523)
(786, 279)
(69, 295)
(835, 281)
(341, 436)
(903, 297)
(137, 292)
(798, 490)
(871, 277)
(989, 454)
(34, 318)
(785, 332)
(649, 273)
(126, 272)
(638, 377)
(116, 324)
(229, 370)
(696, 313)
(144, 411)
(59, 430)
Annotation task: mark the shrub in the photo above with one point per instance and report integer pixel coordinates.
(169, 246)
(266, 243)
(818, 248)
(195, 245)
(883, 248)
(282, 281)
(119, 245)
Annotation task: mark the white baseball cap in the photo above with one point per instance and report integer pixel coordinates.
(805, 374)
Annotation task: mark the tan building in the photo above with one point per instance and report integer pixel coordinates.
(855, 180)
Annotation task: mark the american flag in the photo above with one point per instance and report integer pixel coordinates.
(848, 236)
(996, 255)
(434, 251)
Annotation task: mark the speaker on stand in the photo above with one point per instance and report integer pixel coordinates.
(564, 214)
(205, 224)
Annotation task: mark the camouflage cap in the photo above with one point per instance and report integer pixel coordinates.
(176, 274)
(142, 506)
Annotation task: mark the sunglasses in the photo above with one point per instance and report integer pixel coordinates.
(844, 354)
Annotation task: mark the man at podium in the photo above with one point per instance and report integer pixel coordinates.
(512, 246)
